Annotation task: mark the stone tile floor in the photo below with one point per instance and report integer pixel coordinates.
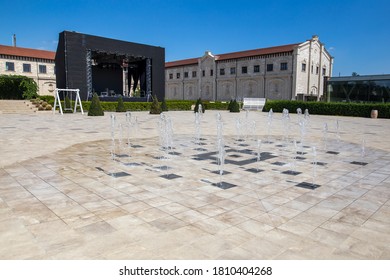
(62, 196)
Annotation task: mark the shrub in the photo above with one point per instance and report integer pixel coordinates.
(68, 105)
(48, 107)
(17, 87)
(48, 98)
(95, 109)
(199, 102)
(155, 107)
(164, 107)
(234, 107)
(121, 106)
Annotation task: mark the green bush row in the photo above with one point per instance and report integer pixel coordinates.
(330, 108)
(315, 108)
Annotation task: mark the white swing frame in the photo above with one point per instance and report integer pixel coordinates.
(58, 100)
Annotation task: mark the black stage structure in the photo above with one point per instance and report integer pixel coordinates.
(109, 67)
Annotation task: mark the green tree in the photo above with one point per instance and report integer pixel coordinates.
(96, 108)
(121, 106)
(68, 105)
(164, 106)
(199, 102)
(234, 107)
(155, 108)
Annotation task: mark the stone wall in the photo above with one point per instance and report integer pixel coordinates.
(46, 81)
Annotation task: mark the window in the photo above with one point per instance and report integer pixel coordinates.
(9, 66)
(232, 70)
(170, 76)
(270, 67)
(317, 70)
(193, 74)
(312, 69)
(203, 73)
(256, 68)
(244, 69)
(222, 71)
(185, 74)
(303, 67)
(26, 68)
(177, 75)
(324, 71)
(283, 66)
(42, 69)
(211, 72)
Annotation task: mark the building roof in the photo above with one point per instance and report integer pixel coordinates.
(235, 55)
(25, 52)
(360, 78)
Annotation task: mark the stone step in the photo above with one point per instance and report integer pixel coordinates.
(17, 107)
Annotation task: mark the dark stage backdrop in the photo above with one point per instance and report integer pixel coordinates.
(74, 71)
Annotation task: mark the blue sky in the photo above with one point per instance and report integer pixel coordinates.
(356, 33)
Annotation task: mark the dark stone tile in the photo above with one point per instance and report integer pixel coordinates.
(121, 155)
(279, 163)
(224, 172)
(359, 163)
(307, 185)
(131, 164)
(170, 176)
(235, 156)
(254, 170)
(118, 174)
(291, 172)
(162, 167)
(224, 185)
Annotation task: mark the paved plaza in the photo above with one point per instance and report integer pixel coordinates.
(68, 191)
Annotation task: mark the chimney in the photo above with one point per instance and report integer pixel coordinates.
(14, 40)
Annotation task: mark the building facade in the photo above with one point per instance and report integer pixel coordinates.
(291, 72)
(36, 64)
(366, 88)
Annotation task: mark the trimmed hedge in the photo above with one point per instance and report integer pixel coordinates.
(315, 108)
(330, 108)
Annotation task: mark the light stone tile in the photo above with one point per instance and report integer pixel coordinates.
(296, 227)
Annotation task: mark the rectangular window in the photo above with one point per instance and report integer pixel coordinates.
(303, 67)
(256, 68)
(177, 75)
(170, 76)
(324, 71)
(317, 70)
(203, 73)
(26, 68)
(9, 66)
(312, 69)
(193, 74)
(232, 70)
(270, 67)
(42, 69)
(211, 72)
(244, 70)
(222, 71)
(283, 66)
(185, 74)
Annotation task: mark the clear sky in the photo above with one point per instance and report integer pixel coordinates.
(355, 32)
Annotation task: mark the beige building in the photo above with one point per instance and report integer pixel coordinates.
(36, 64)
(295, 71)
